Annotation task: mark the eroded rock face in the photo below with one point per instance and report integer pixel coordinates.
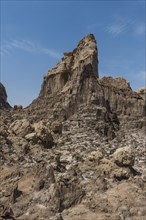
(78, 151)
(74, 87)
(71, 65)
(121, 98)
(68, 85)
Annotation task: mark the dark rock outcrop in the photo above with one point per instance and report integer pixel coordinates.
(3, 97)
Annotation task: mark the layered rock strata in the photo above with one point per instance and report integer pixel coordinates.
(74, 82)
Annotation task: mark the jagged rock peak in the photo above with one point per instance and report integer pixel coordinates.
(3, 97)
(72, 66)
(83, 54)
(74, 83)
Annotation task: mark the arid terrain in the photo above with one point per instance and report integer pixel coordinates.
(77, 152)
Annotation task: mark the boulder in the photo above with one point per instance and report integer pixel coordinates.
(18, 107)
(121, 173)
(56, 127)
(124, 156)
(43, 133)
(21, 127)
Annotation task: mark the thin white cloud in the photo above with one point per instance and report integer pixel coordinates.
(121, 26)
(140, 29)
(28, 46)
(117, 28)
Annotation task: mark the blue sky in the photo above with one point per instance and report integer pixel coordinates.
(34, 35)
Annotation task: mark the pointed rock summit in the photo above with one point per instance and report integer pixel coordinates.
(74, 85)
(69, 84)
(72, 65)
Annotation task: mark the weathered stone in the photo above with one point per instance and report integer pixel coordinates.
(56, 127)
(18, 107)
(21, 127)
(31, 137)
(7, 213)
(15, 194)
(43, 133)
(121, 173)
(142, 93)
(124, 156)
(95, 156)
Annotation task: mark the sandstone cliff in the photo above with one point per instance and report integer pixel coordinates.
(78, 151)
(74, 86)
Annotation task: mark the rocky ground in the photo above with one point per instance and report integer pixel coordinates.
(78, 151)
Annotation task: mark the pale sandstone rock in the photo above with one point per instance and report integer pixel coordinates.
(43, 133)
(21, 127)
(31, 137)
(124, 156)
(121, 173)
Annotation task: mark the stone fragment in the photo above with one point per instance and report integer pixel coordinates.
(43, 134)
(15, 194)
(95, 156)
(121, 173)
(7, 213)
(124, 156)
(31, 137)
(56, 127)
(18, 107)
(21, 127)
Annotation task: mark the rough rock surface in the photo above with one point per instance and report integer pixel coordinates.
(78, 151)
(142, 93)
(3, 97)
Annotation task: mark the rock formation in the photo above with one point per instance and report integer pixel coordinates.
(74, 84)
(3, 97)
(78, 151)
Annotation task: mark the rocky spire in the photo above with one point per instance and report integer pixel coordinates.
(71, 65)
(74, 82)
(85, 53)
